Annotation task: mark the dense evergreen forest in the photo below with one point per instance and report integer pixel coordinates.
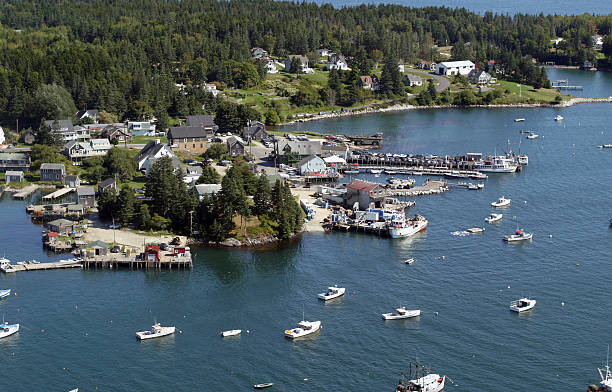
(126, 57)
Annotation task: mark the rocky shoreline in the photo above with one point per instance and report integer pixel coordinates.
(402, 107)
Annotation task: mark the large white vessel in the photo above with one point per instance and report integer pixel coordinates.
(303, 328)
(497, 164)
(157, 331)
(8, 329)
(606, 376)
(431, 382)
(401, 227)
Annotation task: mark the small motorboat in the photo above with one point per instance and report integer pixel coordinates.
(523, 159)
(558, 117)
(303, 328)
(331, 293)
(473, 187)
(533, 136)
(5, 293)
(523, 304)
(157, 331)
(409, 261)
(525, 131)
(264, 385)
(401, 313)
(375, 171)
(8, 329)
(605, 146)
(480, 185)
(519, 119)
(501, 202)
(232, 332)
(519, 235)
(475, 230)
(494, 218)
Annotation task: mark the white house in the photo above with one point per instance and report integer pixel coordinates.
(412, 80)
(597, 42)
(401, 67)
(311, 164)
(303, 61)
(211, 88)
(270, 66)
(478, 76)
(323, 52)
(141, 127)
(455, 67)
(152, 151)
(337, 61)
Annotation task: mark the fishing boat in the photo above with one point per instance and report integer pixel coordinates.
(303, 328)
(501, 202)
(494, 218)
(157, 331)
(409, 261)
(331, 293)
(8, 329)
(420, 380)
(401, 227)
(558, 117)
(497, 164)
(264, 385)
(475, 187)
(533, 136)
(401, 313)
(522, 305)
(605, 146)
(375, 171)
(232, 332)
(606, 377)
(523, 159)
(5, 293)
(519, 235)
(519, 119)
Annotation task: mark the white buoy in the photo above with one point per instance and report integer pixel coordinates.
(562, 303)
(550, 236)
(508, 286)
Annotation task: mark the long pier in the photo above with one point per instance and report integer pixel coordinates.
(10, 268)
(132, 263)
(58, 193)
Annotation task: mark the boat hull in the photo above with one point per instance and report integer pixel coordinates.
(407, 315)
(326, 297)
(7, 330)
(164, 332)
(5, 293)
(404, 232)
(233, 332)
(300, 332)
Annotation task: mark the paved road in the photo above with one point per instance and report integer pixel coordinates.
(443, 83)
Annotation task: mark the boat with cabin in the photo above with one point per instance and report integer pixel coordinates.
(264, 385)
(331, 293)
(522, 305)
(401, 313)
(519, 235)
(157, 331)
(303, 328)
(606, 377)
(533, 136)
(605, 146)
(5, 293)
(409, 261)
(375, 171)
(497, 164)
(494, 218)
(231, 332)
(501, 202)
(420, 380)
(522, 159)
(401, 227)
(8, 329)
(558, 117)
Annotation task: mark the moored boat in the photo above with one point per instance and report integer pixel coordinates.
(232, 332)
(522, 305)
(264, 385)
(474, 230)
(375, 171)
(519, 235)
(501, 202)
(606, 377)
(558, 117)
(421, 381)
(5, 293)
(352, 171)
(157, 331)
(409, 261)
(401, 227)
(303, 328)
(519, 119)
(494, 218)
(8, 329)
(331, 293)
(401, 313)
(497, 164)
(533, 136)
(523, 159)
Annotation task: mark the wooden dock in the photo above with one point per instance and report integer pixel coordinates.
(10, 268)
(58, 193)
(26, 192)
(116, 261)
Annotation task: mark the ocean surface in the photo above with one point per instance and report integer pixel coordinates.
(552, 7)
(78, 326)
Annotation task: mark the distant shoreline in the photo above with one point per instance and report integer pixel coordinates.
(403, 107)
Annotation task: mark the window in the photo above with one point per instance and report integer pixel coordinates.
(185, 141)
(193, 145)
(201, 145)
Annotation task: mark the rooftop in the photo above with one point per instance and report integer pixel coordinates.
(187, 132)
(361, 185)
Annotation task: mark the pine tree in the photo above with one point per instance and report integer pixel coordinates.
(263, 196)
(126, 205)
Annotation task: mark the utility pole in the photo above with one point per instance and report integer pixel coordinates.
(191, 222)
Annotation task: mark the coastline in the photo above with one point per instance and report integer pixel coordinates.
(403, 107)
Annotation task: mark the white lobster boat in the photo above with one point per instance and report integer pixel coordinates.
(303, 328)
(501, 202)
(494, 217)
(157, 331)
(519, 235)
(401, 313)
(331, 293)
(401, 227)
(232, 332)
(428, 382)
(8, 329)
(522, 305)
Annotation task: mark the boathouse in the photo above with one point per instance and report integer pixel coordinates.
(62, 226)
(365, 193)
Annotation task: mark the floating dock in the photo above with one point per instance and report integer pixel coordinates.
(58, 193)
(10, 268)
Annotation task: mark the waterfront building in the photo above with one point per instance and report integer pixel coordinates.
(86, 196)
(454, 68)
(313, 164)
(364, 193)
(52, 172)
(61, 226)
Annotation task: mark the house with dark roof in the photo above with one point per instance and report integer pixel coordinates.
(107, 184)
(292, 151)
(28, 137)
(14, 161)
(91, 113)
(255, 130)
(52, 172)
(13, 176)
(61, 226)
(72, 181)
(302, 61)
(112, 132)
(86, 196)
(235, 146)
(427, 65)
(152, 151)
(187, 139)
(203, 120)
(62, 127)
(364, 193)
(477, 76)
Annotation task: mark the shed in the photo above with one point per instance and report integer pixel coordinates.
(72, 181)
(14, 176)
(62, 226)
(364, 193)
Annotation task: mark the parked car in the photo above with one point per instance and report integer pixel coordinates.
(163, 246)
(116, 249)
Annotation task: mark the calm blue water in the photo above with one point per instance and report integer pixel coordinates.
(89, 317)
(563, 7)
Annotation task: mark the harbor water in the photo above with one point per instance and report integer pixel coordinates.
(78, 326)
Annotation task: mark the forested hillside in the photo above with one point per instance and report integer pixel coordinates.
(127, 57)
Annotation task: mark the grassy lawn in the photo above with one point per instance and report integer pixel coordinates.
(146, 139)
(528, 93)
